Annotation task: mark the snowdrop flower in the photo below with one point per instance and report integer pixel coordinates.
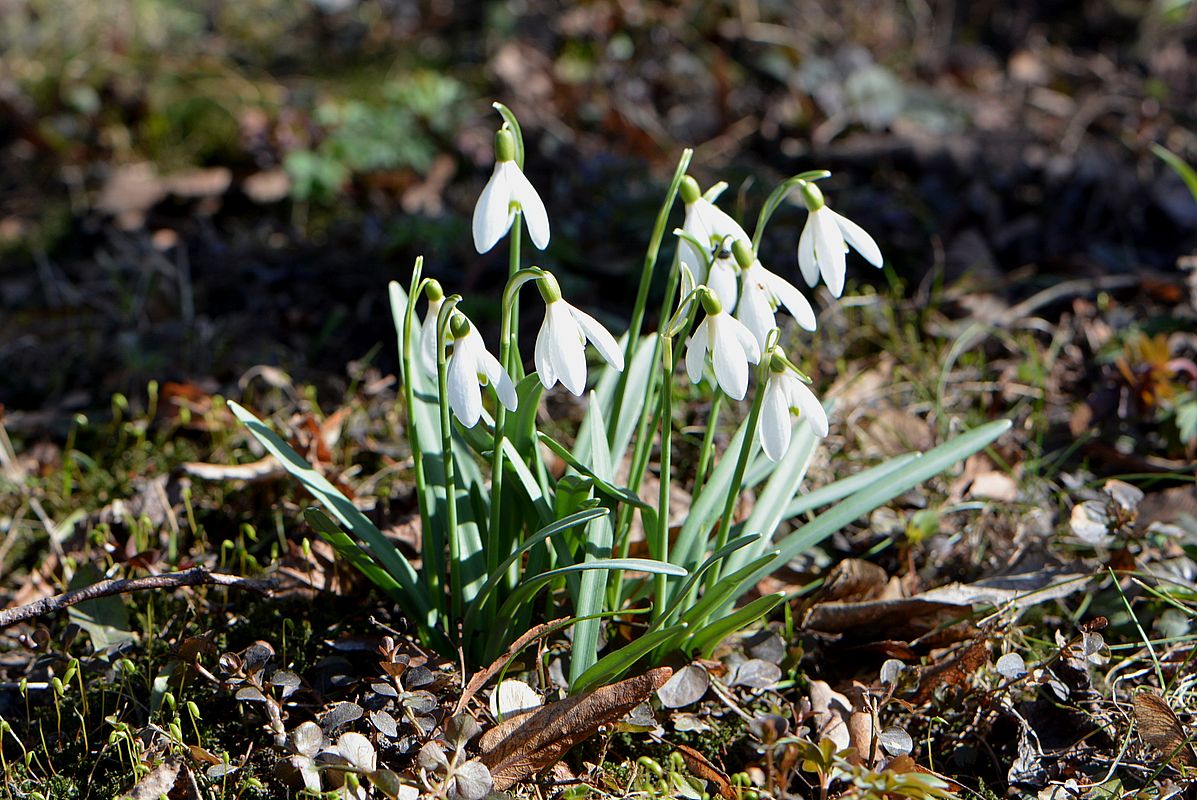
(732, 347)
(706, 223)
(470, 368)
(436, 298)
(786, 394)
(723, 276)
(763, 292)
(507, 192)
(825, 239)
(560, 346)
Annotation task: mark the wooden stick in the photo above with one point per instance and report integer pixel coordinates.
(196, 576)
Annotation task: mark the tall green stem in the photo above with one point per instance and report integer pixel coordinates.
(708, 443)
(442, 386)
(746, 449)
(646, 279)
(662, 534)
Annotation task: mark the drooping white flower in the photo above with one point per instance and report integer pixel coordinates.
(785, 395)
(707, 223)
(762, 293)
(560, 346)
(731, 345)
(507, 192)
(470, 368)
(824, 242)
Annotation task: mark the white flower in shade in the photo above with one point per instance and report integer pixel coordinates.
(507, 192)
(723, 278)
(560, 346)
(763, 292)
(470, 368)
(824, 242)
(436, 298)
(786, 394)
(731, 345)
(706, 223)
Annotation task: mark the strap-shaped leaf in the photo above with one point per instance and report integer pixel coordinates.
(705, 640)
(613, 665)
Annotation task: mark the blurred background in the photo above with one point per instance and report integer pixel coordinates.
(191, 189)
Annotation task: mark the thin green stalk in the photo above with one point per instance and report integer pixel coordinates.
(662, 533)
(442, 386)
(431, 559)
(733, 493)
(778, 195)
(510, 331)
(708, 443)
(646, 279)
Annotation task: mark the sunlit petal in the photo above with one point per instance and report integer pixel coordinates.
(859, 239)
(465, 395)
(809, 406)
(722, 281)
(602, 340)
(775, 424)
(696, 351)
(728, 356)
(789, 296)
(829, 250)
(492, 214)
(755, 310)
(806, 252)
(534, 213)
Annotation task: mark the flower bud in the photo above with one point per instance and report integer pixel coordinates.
(743, 253)
(710, 302)
(459, 326)
(433, 291)
(504, 145)
(550, 290)
(812, 196)
(689, 190)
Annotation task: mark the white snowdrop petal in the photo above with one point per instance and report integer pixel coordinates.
(829, 251)
(775, 420)
(721, 224)
(811, 408)
(465, 395)
(600, 337)
(489, 366)
(533, 207)
(790, 297)
(754, 310)
(806, 252)
(492, 214)
(542, 355)
(860, 240)
(744, 337)
(428, 340)
(728, 357)
(722, 281)
(696, 351)
(568, 350)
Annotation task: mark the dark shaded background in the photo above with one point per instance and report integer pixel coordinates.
(1001, 144)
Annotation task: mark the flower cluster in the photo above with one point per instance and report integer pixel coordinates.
(738, 294)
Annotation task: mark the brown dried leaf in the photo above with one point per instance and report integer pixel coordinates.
(1160, 728)
(548, 733)
(697, 763)
(954, 671)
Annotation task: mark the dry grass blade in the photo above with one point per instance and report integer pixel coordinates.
(548, 733)
(1162, 729)
(480, 678)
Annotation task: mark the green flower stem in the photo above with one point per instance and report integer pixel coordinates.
(708, 443)
(746, 448)
(431, 567)
(442, 387)
(497, 543)
(662, 533)
(511, 361)
(646, 279)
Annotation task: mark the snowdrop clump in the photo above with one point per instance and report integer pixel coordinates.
(508, 511)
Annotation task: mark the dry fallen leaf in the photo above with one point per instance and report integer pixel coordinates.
(543, 736)
(697, 763)
(1160, 728)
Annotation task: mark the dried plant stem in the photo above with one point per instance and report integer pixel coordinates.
(196, 576)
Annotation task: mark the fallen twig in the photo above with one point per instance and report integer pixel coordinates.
(196, 576)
